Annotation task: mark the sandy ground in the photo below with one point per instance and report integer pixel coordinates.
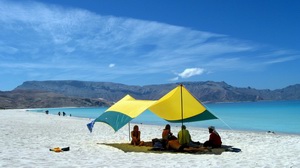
(26, 138)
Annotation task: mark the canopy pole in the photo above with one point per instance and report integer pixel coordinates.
(181, 105)
(129, 131)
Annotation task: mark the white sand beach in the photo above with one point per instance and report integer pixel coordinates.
(26, 138)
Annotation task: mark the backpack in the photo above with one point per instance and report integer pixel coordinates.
(157, 144)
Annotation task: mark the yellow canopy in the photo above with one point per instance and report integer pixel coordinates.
(130, 106)
(179, 105)
(124, 111)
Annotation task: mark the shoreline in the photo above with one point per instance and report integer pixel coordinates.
(163, 124)
(177, 125)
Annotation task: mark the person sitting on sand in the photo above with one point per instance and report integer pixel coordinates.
(166, 132)
(136, 136)
(167, 135)
(174, 144)
(184, 137)
(214, 138)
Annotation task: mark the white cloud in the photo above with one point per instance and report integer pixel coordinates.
(111, 65)
(281, 59)
(189, 72)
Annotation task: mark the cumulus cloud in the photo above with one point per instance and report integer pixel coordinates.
(189, 72)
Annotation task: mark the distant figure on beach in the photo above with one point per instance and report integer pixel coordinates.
(47, 112)
(214, 138)
(184, 138)
(64, 113)
(136, 136)
(59, 113)
(70, 115)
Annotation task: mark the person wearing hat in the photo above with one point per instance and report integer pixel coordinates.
(214, 138)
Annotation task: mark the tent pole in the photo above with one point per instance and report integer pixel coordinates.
(129, 131)
(181, 105)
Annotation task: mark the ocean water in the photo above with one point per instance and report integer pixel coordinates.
(277, 116)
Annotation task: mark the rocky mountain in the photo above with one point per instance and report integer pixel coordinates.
(207, 91)
(43, 99)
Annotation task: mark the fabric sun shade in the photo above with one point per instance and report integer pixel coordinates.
(124, 111)
(179, 105)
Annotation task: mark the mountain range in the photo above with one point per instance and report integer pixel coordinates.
(66, 93)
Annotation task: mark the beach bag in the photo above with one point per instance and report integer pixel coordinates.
(155, 140)
(65, 149)
(157, 144)
(58, 149)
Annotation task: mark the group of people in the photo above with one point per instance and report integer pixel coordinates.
(63, 113)
(59, 113)
(183, 141)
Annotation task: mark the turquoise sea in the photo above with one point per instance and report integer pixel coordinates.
(277, 116)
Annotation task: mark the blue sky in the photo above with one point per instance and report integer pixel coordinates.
(244, 43)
